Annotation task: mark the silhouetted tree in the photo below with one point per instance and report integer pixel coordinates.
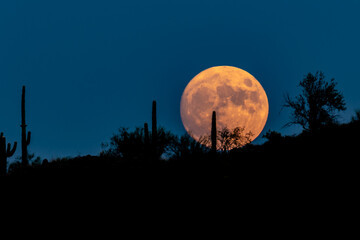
(317, 104)
(45, 162)
(15, 167)
(126, 144)
(272, 135)
(356, 118)
(25, 141)
(131, 144)
(187, 147)
(227, 140)
(165, 144)
(237, 138)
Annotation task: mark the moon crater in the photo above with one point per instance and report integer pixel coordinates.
(237, 97)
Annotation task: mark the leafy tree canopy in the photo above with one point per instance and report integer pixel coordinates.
(317, 104)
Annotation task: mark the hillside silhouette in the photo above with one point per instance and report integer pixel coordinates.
(325, 154)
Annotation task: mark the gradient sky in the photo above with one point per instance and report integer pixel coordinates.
(91, 67)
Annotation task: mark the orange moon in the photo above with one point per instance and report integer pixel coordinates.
(237, 97)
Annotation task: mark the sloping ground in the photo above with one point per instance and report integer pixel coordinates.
(327, 161)
(329, 156)
(293, 184)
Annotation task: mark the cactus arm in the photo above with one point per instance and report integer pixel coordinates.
(28, 138)
(11, 152)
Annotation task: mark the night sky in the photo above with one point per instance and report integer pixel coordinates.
(91, 67)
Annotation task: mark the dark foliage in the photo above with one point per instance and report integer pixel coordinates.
(318, 103)
(312, 161)
(134, 144)
(285, 160)
(299, 167)
(226, 140)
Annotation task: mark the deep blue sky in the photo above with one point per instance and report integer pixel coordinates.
(91, 67)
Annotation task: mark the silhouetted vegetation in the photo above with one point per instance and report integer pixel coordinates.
(5, 153)
(286, 160)
(133, 144)
(317, 104)
(139, 154)
(25, 141)
(226, 140)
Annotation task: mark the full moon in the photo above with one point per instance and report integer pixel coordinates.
(237, 97)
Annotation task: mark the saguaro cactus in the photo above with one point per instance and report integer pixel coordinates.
(154, 131)
(154, 123)
(5, 153)
(213, 132)
(25, 141)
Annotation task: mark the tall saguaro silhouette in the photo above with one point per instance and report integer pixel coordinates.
(5, 153)
(154, 123)
(25, 141)
(154, 130)
(213, 132)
